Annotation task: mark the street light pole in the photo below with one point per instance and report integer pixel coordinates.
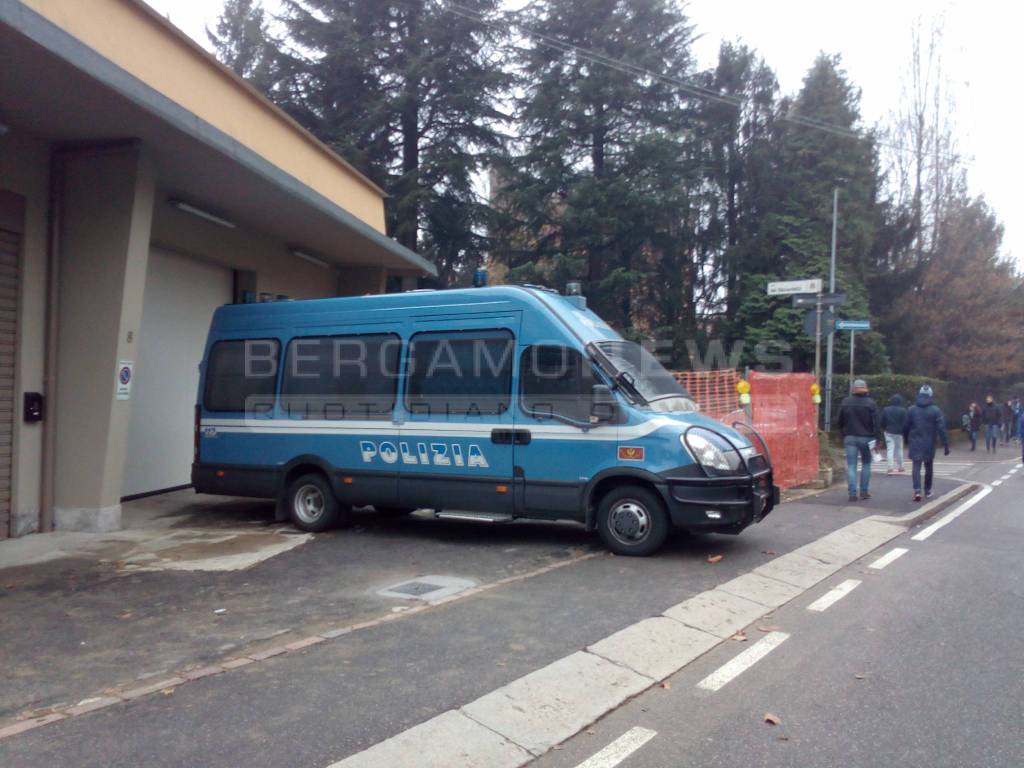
(831, 336)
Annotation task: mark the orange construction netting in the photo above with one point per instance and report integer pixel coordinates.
(781, 411)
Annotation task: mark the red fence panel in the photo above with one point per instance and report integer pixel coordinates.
(787, 418)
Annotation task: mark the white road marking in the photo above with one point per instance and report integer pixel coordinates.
(620, 749)
(888, 557)
(1005, 477)
(743, 662)
(996, 483)
(924, 534)
(1015, 470)
(834, 595)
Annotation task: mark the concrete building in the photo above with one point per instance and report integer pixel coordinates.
(142, 185)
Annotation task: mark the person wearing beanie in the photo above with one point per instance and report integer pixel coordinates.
(924, 428)
(859, 422)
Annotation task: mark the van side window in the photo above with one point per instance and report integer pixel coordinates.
(466, 373)
(556, 382)
(241, 375)
(341, 377)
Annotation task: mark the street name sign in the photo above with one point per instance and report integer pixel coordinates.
(790, 287)
(806, 300)
(853, 325)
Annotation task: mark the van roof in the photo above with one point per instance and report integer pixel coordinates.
(583, 323)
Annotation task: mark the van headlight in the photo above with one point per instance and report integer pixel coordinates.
(703, 450)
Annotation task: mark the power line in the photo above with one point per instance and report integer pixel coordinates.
(694, 89)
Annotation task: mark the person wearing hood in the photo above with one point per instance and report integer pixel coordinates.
(991, 418)
(924, 428)
(974, 425)
(858, 420)
(894, 417)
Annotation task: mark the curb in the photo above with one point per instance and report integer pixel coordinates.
(930, 509)
(531, 715)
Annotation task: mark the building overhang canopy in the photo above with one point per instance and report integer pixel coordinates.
(55, 86)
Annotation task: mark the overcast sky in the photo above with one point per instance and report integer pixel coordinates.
(873, 37)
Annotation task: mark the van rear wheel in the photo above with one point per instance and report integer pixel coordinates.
(632, 521)
(311, 504)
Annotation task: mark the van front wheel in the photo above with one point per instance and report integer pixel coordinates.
(311, 503)
(632, 521)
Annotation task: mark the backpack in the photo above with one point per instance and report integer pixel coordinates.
(965, 421)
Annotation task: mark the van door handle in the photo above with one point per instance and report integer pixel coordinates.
(510, 436)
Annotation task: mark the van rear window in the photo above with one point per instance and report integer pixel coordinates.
(341, 377)
(241, 375)
(460, 373)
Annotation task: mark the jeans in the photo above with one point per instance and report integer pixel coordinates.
(929, 472)
(974, 439)
(991, 436)
(894, 451)
(858, 447)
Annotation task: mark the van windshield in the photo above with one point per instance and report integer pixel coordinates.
(637, 370)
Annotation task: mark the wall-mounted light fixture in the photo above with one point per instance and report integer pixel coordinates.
(181, 205)
(309, 257)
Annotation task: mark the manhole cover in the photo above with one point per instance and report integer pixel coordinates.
(427, 588)
(416, 588)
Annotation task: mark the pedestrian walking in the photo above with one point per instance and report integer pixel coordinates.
(924, 428)
(974, 424)
(1009, 421)
(859, 422)
(991, 418)
(894, 418)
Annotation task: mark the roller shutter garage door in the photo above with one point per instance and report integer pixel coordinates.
(181, 295)
(9, 272)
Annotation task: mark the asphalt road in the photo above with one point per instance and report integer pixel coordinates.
(312, 708)
(921, 664)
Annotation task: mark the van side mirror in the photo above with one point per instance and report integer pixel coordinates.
(603, 406)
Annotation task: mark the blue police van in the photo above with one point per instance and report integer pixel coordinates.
(484, 404)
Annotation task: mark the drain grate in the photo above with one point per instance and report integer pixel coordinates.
(416, 588)
(427, 588)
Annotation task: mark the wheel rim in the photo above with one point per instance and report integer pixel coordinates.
(309, 504)
(629, 522)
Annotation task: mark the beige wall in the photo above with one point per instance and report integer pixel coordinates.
(24, 170)
(276, 269)
(139, 41)
(104, 248)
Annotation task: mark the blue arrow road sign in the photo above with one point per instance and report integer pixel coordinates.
(853, 325)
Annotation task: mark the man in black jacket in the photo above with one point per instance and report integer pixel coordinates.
(992, 418)
(858, 420)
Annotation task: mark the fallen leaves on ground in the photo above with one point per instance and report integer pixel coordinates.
(769, 628)
(666, 685)
(772, 719)
(769, 552)
(741, 636)
(714, 558)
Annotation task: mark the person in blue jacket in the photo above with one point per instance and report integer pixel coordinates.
(924, 428)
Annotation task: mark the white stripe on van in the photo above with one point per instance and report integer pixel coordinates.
(436, 429)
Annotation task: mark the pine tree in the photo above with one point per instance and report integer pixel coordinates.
(407, 91)
(595, 185)
(241, 42)
(818, 146)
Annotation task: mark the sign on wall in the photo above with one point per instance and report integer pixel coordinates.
(125, 374)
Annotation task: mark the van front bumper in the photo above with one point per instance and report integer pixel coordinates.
(720, 504)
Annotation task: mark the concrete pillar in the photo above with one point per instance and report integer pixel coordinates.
(359, 281)
(106, 214)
